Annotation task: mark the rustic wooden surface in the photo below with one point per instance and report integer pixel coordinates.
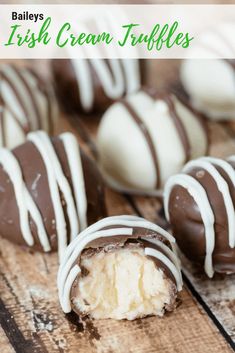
(30, 315)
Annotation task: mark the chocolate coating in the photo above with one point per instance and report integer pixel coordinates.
(69, 86)
(188, 226)
(36, 180)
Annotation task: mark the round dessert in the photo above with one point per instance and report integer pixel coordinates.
(200, 206)
(122, 267)
(210, 85)
(27, 103)
(147, 137)
(49, 190)
(92, 85)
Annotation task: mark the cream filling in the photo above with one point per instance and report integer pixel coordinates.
(123, 284)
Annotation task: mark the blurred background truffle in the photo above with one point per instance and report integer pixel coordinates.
(27, 103)
(91, 85)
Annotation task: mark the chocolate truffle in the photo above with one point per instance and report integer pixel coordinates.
(122, 267)
(27, 103)
(145, 138)
(49, 191)
(200, 205)
(210, 85)
(88, 86)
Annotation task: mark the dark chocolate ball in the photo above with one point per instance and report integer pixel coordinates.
(200, 203)
(50, 191)
(89, 86)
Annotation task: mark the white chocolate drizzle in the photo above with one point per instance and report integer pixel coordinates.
(30, 102)
(57, 182)
(117, 226)
(222, 186)
(24, 200)
(199, 194)
(116, 76)
(73, 154)
(170, 254)
(122, 77)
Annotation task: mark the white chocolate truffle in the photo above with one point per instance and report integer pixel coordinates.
(145, 138)
(27, 103)
(210, 85)
(122, 267)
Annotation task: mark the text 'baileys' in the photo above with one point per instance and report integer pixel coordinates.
(26, 16)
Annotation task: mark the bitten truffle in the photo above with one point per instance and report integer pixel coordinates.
(89, 86)
(147, 137)
(210, 85)
(50, 190)
(122, 267)
(200, 205)
(27, 103)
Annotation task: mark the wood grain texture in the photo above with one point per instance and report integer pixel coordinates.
(31, 318)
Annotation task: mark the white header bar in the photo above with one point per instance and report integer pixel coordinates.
(117, 31)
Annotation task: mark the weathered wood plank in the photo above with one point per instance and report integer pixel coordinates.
(4, 343)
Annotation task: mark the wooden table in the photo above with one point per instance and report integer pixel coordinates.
(31, 318)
